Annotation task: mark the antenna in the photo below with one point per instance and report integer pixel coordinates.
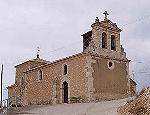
(38, 52)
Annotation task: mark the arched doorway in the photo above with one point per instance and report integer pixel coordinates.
(65, 92)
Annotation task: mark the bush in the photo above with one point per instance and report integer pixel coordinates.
(76, 99)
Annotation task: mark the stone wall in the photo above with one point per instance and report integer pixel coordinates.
(49, 89)
(110, 80)
(17, 89)
(11, 91)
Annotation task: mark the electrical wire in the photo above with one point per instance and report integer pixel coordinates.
(63, 47)
(137, 20)
(74, 43)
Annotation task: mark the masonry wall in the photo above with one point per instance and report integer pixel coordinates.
(19, 71)
(11, 91)
(109, 83)
(26, 66)
(43, 91)
(17, 89)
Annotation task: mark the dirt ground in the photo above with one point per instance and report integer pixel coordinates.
(100, 108)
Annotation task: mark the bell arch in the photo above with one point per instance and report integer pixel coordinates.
(113, 42)
(104, 40)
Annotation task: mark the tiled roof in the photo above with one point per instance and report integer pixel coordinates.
(131, 80)
(35, 60)
(59, 60)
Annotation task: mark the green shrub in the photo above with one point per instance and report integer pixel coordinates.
(76, 99)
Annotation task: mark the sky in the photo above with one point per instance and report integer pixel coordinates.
(56, 27)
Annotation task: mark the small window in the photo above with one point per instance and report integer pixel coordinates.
(65, 69)
(113, 42)
(40, 76)
(110, 64)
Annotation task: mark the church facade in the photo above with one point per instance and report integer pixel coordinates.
(100, 72)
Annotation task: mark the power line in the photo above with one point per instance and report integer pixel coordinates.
(63, 47)
(129, 23)
(137, 20)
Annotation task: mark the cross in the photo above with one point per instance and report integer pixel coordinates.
(106, 14)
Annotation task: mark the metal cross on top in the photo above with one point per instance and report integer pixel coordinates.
(106, 14)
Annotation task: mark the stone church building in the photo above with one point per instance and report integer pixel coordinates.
(100, 72)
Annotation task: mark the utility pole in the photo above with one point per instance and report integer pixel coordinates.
(1, 85)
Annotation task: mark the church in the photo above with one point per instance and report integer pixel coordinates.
(99, 72)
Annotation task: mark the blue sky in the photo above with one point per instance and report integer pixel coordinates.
(56, 27)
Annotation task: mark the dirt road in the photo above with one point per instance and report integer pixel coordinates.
(100, 108)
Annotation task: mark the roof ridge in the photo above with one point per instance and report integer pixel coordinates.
(36, 59)
(55, 61)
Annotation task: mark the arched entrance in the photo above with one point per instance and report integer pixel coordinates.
(65, 92)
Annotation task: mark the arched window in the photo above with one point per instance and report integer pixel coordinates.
(104, 40)
(113, 42)
(40, 75)
(65, 69)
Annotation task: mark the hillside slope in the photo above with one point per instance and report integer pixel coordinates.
(138, 106)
